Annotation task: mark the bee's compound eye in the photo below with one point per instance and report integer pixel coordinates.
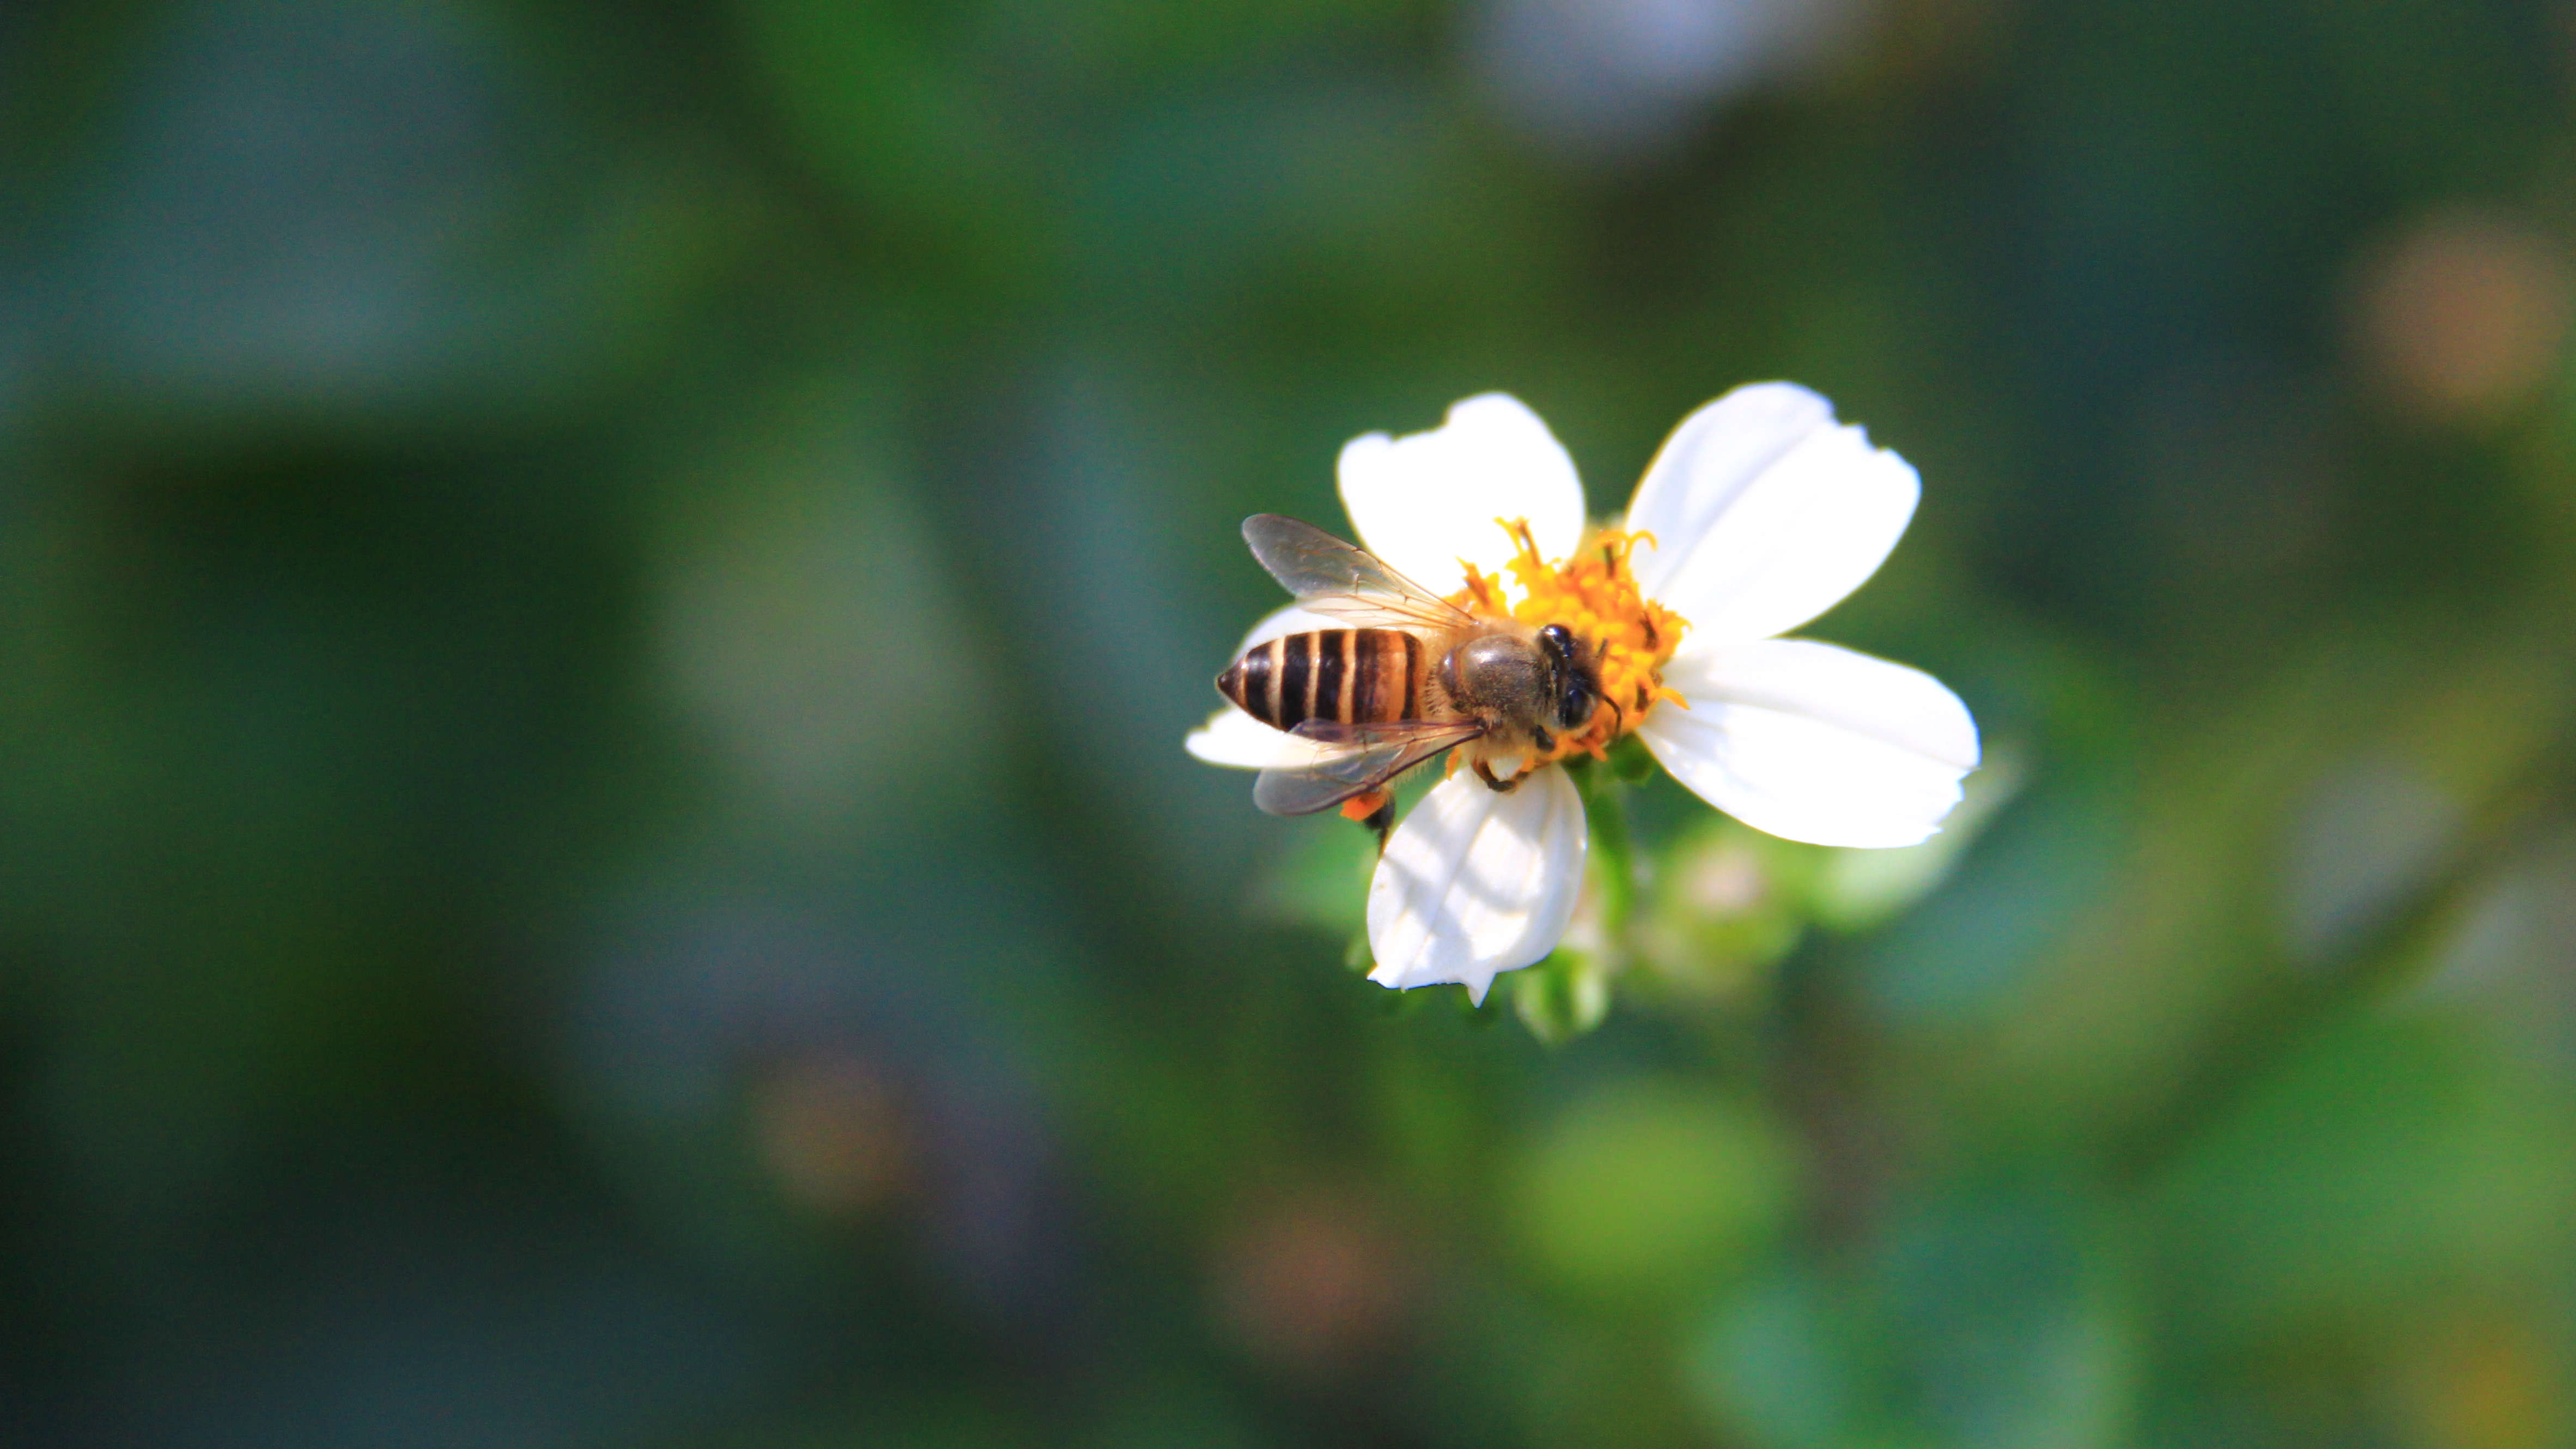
(1576, 705)
(1576, 694)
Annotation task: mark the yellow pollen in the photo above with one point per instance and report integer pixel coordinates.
(1627, 635)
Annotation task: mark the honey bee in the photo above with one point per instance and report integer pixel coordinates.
(1413, 678)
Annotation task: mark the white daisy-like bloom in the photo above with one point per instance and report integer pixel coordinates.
(1760, 513)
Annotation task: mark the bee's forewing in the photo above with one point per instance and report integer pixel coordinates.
(1351, 584)
(1374, 754)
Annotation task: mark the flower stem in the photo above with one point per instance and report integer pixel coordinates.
(1605, 807)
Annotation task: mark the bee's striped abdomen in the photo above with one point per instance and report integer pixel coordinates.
(1356, 676)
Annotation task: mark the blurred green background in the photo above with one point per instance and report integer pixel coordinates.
(598, 602)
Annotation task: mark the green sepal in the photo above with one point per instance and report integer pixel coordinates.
(1630, 760)
(1562, 997)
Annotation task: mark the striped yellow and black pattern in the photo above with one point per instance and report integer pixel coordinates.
(1355, 676)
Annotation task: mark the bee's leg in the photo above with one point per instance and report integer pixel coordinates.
(1382, 820)
(1499, 787)
(1376, 810)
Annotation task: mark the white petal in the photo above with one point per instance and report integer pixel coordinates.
(1765, 513)
(1231, 737)
(1813, 742)
(1476, 882)
(1426, 501)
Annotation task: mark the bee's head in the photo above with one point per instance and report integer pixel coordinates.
(1576, 679)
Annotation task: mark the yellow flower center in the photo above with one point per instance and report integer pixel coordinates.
(1626, 635)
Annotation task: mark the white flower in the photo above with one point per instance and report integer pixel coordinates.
(1760, 513)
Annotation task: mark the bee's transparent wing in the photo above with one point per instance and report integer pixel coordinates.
(1351, 584)
(1367, 756)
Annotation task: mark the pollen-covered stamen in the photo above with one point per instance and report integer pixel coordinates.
(1628, 637)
